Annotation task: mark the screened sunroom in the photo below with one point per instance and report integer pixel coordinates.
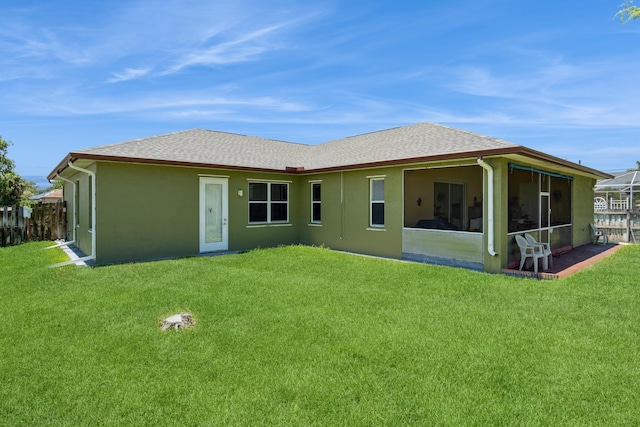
(443, 215)
(539, 204)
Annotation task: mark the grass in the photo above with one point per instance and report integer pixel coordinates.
(306, 336)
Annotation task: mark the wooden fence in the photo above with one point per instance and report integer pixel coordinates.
(46, 221)
(621, 226)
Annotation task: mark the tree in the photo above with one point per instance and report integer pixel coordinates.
(637, 168)
(29, 191)
(11, 184)
(57, 184)
(628, 12)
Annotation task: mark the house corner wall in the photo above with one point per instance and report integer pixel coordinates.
(583, 212)
(79, 205)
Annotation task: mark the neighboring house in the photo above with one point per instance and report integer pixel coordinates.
(617, 206)
(52, 196)
(621, 192)
(423, 192)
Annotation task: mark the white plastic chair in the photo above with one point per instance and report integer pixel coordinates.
(546, 248)
(598, 233)
(530, 252)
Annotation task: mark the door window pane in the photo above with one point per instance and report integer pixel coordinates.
(213, 214)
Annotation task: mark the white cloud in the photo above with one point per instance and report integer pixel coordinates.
(143, 35)
(128, 74)
(244, 48)
(590, 94)
(67, 102)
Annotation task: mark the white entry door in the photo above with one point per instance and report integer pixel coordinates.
(214, 235)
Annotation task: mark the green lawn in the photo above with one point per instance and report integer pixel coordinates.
(306, 336)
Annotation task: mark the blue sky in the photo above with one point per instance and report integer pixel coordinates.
(559, 77)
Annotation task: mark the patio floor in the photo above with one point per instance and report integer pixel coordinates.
(567, 263)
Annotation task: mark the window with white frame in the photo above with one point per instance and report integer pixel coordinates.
(268, 202)
(376, 202)
(316, 202)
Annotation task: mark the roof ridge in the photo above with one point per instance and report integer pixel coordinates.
(471, 133)
(372, 132)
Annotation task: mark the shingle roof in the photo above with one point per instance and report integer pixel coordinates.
(53, 194)
(408, 142)
(198, 147)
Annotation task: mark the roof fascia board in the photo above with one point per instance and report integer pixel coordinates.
(593, 173)
(466, 155)
(64, 164)
(160, 162)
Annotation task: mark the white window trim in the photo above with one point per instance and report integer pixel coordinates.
(313, 202)
(275, 181)
(268, 202)
(372, 179)
(265, 225)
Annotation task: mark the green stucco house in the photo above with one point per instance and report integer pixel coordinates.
(423, 192)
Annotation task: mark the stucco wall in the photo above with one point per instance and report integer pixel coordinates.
(150, 212)
(583, 213)
(345, 212)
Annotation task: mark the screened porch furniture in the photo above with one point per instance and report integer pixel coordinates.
(546, 248)
(534, 253)
(599, 232)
